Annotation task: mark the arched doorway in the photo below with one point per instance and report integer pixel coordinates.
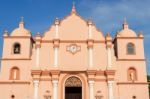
(73, 88)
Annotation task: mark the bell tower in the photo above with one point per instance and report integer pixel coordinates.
(18, 44)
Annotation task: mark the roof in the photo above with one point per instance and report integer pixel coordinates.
(20, 31)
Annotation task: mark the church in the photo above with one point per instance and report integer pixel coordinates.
(73, 59)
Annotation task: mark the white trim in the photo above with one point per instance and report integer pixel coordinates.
(91, 89)
(55, 89)
(55, 57)
(56, 49)
(90, 50)
(110, 90)
(109, 58)
(57, 32)
(37, 57)
(36, 89)
(90, 32)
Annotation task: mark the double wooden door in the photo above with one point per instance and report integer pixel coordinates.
(73, 93)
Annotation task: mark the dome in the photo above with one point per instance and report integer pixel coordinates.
(21, 31)
(127, 33)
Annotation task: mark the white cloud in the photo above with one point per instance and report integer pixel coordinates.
(109, 14)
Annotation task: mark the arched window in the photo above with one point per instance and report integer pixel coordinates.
(134, 97)
(15, 73)
(12, 96)
(130, 49)
(132, 74)
(16, 48)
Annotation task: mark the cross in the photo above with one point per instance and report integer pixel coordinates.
(125, 20)
(73, 3)
(22, 19)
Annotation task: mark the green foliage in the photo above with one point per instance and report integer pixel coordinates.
(148, 78)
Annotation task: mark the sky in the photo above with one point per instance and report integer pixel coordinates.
(108, 15)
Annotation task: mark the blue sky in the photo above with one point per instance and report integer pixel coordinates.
(108, 15)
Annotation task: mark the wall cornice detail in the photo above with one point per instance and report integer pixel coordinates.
(15, 82)
(125, 83)
(18, 37)
(6, 59)
(131, 59)
(73, 41)
(129, 38)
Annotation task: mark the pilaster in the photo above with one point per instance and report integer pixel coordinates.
(37, 47)
(36, 78)
(91, 79)
(109, 53)
(55, 79)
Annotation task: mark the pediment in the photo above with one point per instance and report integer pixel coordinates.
(73, 27)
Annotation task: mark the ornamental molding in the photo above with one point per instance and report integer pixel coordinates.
(73, 82)
(73, 48)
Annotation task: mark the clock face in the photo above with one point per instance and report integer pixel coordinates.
(73, 48)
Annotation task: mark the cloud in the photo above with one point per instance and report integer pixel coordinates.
(110, 14)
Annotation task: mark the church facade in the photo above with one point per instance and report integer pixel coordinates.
(73, 60)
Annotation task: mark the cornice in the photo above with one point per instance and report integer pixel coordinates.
(6, 59)
(129, 38)
(15, 82)
(73, 41)
(18, 37)
(134, 83)
(131, 59)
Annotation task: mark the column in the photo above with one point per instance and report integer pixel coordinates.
(56, 34)
(109, 59)
(110, 90)
(90, 50)
(55, 89)
(37, 49)
(109, 46)
(90, 31)
(37, 57)
(91, 89)
(56, 38)
(36, 88)
(55, 56)
(90, 44)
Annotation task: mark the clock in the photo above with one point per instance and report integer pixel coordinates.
(73, 48)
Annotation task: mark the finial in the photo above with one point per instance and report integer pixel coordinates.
(90, 21)
(38, 33)
(22, 19)
(140, 34)
(21, 24)
(108, 34)
(5, 33)
(73, 3)
(125, 21)
(38, 36)
(73, 9)
(125, 24)
(57, 21)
